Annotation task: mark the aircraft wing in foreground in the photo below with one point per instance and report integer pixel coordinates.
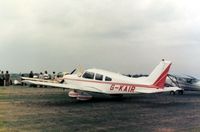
(105, 82)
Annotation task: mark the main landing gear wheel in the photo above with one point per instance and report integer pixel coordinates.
(180, 92)
(172, 93)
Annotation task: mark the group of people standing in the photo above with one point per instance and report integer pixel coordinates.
(4, 78)
(44, 75)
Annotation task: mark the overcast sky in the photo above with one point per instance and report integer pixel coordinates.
(126, 36)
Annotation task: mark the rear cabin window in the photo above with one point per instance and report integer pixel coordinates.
(108, 79)
(98, 77)
(88, 75)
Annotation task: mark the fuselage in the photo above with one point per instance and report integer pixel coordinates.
(102, 81)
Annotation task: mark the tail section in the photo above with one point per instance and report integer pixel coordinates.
(159, 74)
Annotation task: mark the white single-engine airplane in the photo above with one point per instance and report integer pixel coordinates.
(101, 81)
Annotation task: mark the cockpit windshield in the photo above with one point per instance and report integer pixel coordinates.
(88, 75)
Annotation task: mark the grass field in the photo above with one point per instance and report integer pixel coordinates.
(49, 109)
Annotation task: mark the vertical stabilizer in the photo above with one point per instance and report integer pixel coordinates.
(159, 74)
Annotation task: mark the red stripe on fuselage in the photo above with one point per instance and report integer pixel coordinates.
(103, 82)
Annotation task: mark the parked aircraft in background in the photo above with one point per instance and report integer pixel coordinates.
(105, 82)
(188, 83)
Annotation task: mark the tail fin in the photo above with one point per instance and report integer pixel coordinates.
(159, 74)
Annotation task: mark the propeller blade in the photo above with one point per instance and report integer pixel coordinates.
(73, 71)
(62, 81)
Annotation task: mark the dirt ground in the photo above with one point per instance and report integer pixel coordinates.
(50, 109)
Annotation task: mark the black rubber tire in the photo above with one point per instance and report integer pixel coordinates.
(180, 92)
(172, 93)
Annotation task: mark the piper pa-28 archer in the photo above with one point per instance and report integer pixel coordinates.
(105, 82)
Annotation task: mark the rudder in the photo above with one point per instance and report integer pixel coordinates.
(159, 74)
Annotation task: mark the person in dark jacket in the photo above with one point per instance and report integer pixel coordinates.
(7, 78)
(2, 79)
(31, 74)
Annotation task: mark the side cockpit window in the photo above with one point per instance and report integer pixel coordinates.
(88, 75)
(99, 77)
(108, 79)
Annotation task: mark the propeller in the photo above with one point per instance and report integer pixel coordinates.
(62, 81)
(79, 70)
(73, 71)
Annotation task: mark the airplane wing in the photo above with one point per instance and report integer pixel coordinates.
(65, 86)
(37, 79)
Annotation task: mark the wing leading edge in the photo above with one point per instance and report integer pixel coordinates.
(65, 86)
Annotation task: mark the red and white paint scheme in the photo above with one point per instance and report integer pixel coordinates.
(102, 81)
